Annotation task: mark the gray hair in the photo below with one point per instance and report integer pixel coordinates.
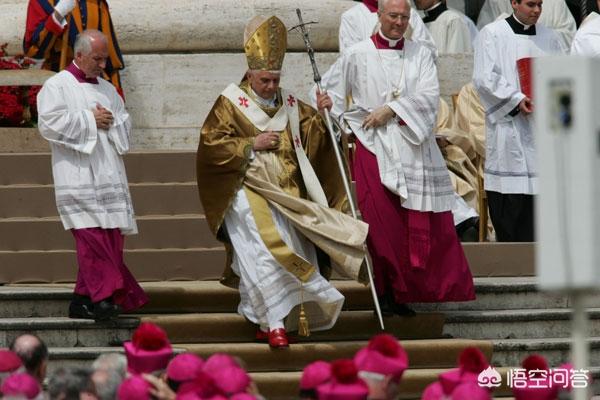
(381, 5)
(107, 383)
(116, 362)
(83, 42)
(68, 383)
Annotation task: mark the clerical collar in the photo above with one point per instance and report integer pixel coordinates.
(371, 5)
(80, 75)
(434, 12)
(519, 28)
(272, 102)
(382, 42)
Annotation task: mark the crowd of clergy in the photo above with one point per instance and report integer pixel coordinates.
(148, 368)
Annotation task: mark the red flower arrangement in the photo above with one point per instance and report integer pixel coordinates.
(18, 106)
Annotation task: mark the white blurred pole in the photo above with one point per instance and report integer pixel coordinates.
(579, 345)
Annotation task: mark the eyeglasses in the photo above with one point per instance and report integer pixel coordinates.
(396, 17)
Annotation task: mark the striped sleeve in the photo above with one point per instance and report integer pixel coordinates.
(41, 30)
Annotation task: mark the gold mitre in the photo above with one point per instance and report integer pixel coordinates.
(265, 42)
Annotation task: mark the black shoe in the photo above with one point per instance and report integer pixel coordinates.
(105, 310)
(384, 306)
(81, 307)
(80, 311)
(403, 310)
(468, 231)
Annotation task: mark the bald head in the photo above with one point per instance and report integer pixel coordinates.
(86, 39)
(382, 4)
(34, 354)
(393, 17)
(91, 52)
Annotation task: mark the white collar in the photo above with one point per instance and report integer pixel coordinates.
(434, 6)
(524, 26)
(391, 42)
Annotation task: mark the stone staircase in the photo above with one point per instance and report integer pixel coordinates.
(179, 262)
(199, 316)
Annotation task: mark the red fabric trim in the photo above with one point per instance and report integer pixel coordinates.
(371, 5)
(383, 44)
(53, 27)
(35, 15)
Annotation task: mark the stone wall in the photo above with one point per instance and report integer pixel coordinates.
(159, 26)
(169, 95)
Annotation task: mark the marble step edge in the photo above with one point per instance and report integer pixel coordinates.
(64, 291)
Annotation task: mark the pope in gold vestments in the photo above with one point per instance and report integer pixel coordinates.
(280, 243)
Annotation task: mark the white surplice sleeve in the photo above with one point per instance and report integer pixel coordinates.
(557, 17)
(350, 31)
(458, 37)
(57, 123)
(586, 44)
(419, 109)
(335, 84)
(119, 132)
(491, 10)
(498, 96)
(420, 34)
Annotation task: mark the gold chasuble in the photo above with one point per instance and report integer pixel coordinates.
(226, 163)
(461, 156)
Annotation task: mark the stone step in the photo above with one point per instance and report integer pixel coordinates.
(142, 167)
(211, 296)
(146, 265)
(501, 293)
(557, 351)
(514, 324)
(485, 259)
(155, 232)
(66, 332)
(37, 201)
(151, 30)
(24, 77)
(351, 325)
(257, 357)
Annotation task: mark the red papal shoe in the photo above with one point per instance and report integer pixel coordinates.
(278, 338)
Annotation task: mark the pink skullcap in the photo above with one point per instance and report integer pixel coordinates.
(231, 380)
(545, 391)
(149, 349)
(536, 393)
(471, 362)
(433, 392)
(184, 367)
(315, 374)
(194, 396)
(9, 361)
(21, 384)
(471, 391)
(134, 388)
(218, 361)
(383, 355)
(344, 384)
(242, 396)
(203, 385)
(187, 396)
